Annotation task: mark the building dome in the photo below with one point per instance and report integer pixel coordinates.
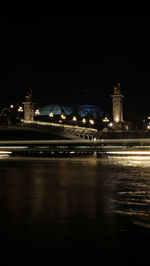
(55, 109)
(87, 115)
(92, 111)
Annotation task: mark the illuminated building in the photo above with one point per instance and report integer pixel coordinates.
(117, 108)
(53, 110)
(89, 115)
(91, 111)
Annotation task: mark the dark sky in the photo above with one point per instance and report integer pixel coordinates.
(76, 60)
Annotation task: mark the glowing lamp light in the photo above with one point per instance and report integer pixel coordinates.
(51, 114)
(11, 106)
(20, 109)
(110, 124)
(63, 116)
(74, 118)
(148, 127)
(60, 121)
(105, 120)
(91, 121)
(37, 112)
(83, 120)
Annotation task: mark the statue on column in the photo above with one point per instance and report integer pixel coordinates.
(29, 96)
(117, 89)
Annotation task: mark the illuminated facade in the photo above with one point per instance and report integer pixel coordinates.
(117, 108)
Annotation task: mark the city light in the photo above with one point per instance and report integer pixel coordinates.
(83, 120)
(5, 152)
(11, 106)
(63, 116)
(91, 121)
(110, 124)
(105, 120)
(20, 109)
(129, 152)
(37, 112)
(74, 118)
(51, 114)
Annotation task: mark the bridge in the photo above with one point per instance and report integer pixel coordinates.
(63, 130)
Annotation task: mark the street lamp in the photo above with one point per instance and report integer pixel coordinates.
(105, 120)
(63, 116)
(91, 121)
(37, 112)
(83, 120)
(110, 124)
(51, 114)
(74, 118)
(20, 109)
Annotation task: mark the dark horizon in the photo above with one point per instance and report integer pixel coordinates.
(60, 58)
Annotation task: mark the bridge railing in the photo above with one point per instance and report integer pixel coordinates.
(52, 124)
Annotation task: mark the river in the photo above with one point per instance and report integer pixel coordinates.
(75, 207)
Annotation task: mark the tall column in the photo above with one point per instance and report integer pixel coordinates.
(28, 111)
(117, 108)
(29, 108)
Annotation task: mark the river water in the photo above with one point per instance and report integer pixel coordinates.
(75, 207)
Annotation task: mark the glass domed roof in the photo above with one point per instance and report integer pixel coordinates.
(90, 110)
(55, 109)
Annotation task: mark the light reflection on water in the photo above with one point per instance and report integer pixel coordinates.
(65, 203)
(133, 188)
(138, 161)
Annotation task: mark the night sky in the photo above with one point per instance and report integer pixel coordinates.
(76, 60)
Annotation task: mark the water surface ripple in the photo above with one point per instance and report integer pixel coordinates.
(74, 205)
